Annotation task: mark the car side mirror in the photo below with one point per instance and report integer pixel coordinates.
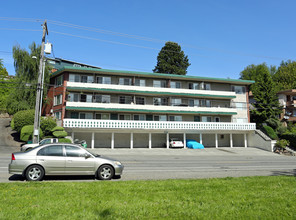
(87, 156)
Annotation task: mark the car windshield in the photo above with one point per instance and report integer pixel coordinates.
(175, 139)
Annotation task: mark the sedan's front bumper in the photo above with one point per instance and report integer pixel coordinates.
(118, 170)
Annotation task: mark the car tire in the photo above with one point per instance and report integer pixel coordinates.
(34, 173)
(105, 172)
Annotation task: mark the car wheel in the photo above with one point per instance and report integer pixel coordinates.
(34, 173)
(105, 172)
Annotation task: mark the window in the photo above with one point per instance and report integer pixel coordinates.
(58, 99)
(125, 99)
(240, 120)
(175, 118)
(73, 97)
(140, 100)
(58, 115)
(59, 80)
(140, 82)
(217, 119)
(53, 150)
(87, 79)
(72, 151)
(125, 81)
(176, 101)
(160, 101)
(102, 98)
(74, 115)
(104, 80)
(196, 118)
(194, 86)
(206, 118)
(176, 85)
(240, 105)
(74, 78)
(85, 98)
(205, 103)
(47, 141)
(207, 86)
(102, 116)
(159, 83)
(160, 118)
(139, 117)
(86, 115)
(238, 89)
(124, 117)
(193, 102)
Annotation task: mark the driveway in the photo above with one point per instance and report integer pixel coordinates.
(146, 164)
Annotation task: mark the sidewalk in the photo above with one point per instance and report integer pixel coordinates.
(239, 151)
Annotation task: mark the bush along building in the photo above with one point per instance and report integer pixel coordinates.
(126, 109)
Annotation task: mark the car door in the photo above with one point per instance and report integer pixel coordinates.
(52, 158)
(77, 163)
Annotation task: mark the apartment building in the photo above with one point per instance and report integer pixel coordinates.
(287, 99)
(127, 109)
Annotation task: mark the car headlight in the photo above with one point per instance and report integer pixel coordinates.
(117, 163)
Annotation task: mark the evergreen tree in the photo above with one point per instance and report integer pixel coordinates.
(266, 102)
(172, 60)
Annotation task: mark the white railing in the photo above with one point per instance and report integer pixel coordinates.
(157, 125)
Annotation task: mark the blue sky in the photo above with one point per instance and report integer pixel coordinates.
(220, 37)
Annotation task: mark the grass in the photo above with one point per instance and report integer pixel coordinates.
(227, 198)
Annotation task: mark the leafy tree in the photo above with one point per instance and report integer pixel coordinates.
(266, 102)
(172, 60)
(252, 71)
(3, 71)
(26, 67)
(285, 77)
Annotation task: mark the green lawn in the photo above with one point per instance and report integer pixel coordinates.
(228, 198)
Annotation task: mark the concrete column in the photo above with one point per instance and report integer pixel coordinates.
(245, 140)
(200, 138)
(112, 140)
(150, 141)
(184, 137)
(167, 141)
(72, 135)
(92, 140)
(132, 140)
(216, 140)
(231, 141)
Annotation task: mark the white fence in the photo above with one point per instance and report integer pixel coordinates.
(157, 125)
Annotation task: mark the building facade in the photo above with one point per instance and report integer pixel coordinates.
(287, 99)
(127, 109)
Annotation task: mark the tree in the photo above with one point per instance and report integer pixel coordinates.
(3, 71)
(266, 102)
(252, 71)
(26, 67)
(172, 60)
(285, 77)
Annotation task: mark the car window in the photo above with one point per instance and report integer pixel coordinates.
(72, 151)
(45, 141)
(53, 150)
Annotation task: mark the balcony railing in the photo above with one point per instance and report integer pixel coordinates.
(157, 125)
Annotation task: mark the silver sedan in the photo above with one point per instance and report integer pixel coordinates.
(62, 159)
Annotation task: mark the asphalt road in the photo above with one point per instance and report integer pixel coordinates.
(151, 164)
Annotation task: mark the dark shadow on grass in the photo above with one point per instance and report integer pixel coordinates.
(17, 177)
(284, 173)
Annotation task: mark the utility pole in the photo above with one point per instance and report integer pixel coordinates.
(39, 87)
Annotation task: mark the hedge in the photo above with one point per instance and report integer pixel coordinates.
(270, 132)
(12, 124)
(23, 118)
(60, 134)
(64, 140)
(57, 128)
(47, 124)
(27, 133)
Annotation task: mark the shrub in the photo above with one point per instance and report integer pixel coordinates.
(282, 144)
(23, 118)
(64, 140)
(47, 124)
(270, 132)
(274, 123)
(12, 124)
(60, 134)
(291, 138)
(27, 133)
(57, 128)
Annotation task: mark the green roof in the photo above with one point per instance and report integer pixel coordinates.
(147, 74)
